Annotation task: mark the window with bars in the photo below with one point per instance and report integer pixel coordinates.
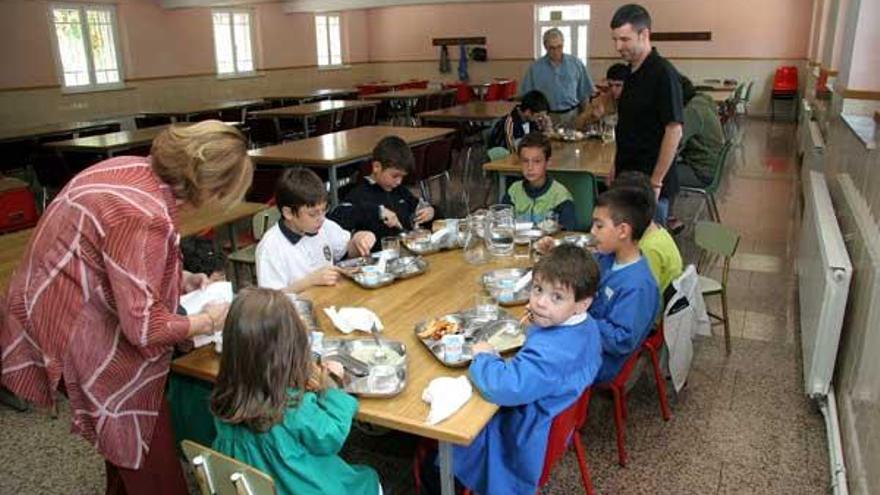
(232, 42)
(572, 19)
(86, 46)
(329, 37)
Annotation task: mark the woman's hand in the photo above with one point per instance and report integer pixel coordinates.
(194, 281)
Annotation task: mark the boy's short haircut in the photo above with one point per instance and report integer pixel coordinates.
(298, 187)
(535, 101)
(627, 205)
(393, 152)
(200, 256)
(634, 14)
(617, 72)
(535, 140)
(572, 267)
(633, 179)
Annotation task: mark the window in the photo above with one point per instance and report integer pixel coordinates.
(329, 39)
(232, 42)
(571, 19)
(85, 46)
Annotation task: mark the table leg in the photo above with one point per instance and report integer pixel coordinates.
(502, 185)
(277, 121)
(233, 237)
(334, 187)
(305, 127)
(447, 477)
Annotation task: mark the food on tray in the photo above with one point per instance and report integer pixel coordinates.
(385, 355)
(437, 328)
(507, 338)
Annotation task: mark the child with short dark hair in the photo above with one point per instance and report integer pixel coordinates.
(559, 360)
(538, 194)
(529, 116)
(381, 204)
(277, 411)
(628, 300)
(300, 250)
(201, 256)
(657, 245)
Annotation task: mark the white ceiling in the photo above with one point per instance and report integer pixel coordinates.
(309, 5)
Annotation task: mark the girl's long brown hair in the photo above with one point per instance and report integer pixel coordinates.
(265, 351)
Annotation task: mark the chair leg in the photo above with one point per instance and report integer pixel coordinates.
(726, 317)
(713, 207)
(661, 385)
(620, 424)
(582, 463)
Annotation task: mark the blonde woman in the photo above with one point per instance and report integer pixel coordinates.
(91, 308)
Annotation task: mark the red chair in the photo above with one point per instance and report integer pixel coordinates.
(463, 94)
(566, 427)
(617, 387)
(495, 91)
(785, 87)
(510, 92)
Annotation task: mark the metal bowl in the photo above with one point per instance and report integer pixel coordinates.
(369, 281)
(407, 266)
(419, 242)
(527, 235)
(500, 283)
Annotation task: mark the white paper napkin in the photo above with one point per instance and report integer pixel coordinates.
(348, 320)
(439, 235)
(196, 300)
(522, 282)
(446, 396)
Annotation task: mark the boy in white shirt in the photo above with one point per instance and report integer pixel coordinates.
(301, 249)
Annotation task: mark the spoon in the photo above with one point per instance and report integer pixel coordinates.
(379, 355)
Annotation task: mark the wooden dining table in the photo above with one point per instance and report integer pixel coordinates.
(587, 156)
(191, 222)
(310, 95)
(449, 285)
(184, 113)
(308, 111)
(475, 111)
(34, 133)
(109, 144)
(338, 149)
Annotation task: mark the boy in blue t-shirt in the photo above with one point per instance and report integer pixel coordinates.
(628, 300)
(558, 361)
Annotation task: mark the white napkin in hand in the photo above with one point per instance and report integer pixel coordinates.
(436, 237)
(348, 320)
(446, 396)
(522, 282)
(196, 300)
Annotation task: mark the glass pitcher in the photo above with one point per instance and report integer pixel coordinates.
(473, 246)
(500, 227)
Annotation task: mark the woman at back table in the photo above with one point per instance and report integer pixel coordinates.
(91, 309)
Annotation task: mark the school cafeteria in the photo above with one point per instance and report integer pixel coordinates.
(411, 247)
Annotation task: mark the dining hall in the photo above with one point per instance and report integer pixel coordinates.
(415, 247)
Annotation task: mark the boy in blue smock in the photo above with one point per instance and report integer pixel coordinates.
(628, 300)
(558, 361)
(538, 194)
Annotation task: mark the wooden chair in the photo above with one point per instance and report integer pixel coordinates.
(323, 124)
(366, 116)
(348, 119)
(716, 240)
(150, 121)
(218, 474)
(247, 256)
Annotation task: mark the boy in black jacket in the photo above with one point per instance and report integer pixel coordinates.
(380, 203)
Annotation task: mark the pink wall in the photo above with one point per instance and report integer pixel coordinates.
(288, 40)
(26, 50)
(356, 36)
(781, 31)
(159, 43)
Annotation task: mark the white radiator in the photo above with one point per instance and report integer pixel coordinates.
(858, 368)
(824, 272)
(814, 150)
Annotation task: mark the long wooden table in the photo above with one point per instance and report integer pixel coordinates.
(312, 95)
(338, 149)
(47, 130)
(449, 285)
(109, 144)
(186, 112)
(590, 155)
(308, 111)
(475, 111)
(13, 246)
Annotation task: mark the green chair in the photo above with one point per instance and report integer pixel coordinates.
(497, 153)
(716, 241)
(708, 192)
(247, 256)
(218, 474)
(584, 190)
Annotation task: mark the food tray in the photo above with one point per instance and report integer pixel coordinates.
(306, 312)
(569, 136)
(500, 283)
(396, 268)
(346, 351)
(419, 242)
(474, 329)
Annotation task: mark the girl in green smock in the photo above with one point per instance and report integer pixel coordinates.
(275, 409)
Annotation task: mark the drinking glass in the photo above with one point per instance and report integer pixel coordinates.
(391, 245)
(486, 307)
(382, 379)
(550, 224)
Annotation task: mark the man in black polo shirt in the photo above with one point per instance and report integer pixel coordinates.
(650, 113)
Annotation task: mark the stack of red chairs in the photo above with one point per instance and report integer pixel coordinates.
(509, 90)
(463, 94)
(785, 87)
(414, 84)
(495, 91)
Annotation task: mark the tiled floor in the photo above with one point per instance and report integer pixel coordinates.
(741, 426)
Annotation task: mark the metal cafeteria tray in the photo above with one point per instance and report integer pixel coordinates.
(580, 240)
(500, 283)
(396, 268)
(407, 266)
(354, 355)
(475, 329)
(306, 312)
